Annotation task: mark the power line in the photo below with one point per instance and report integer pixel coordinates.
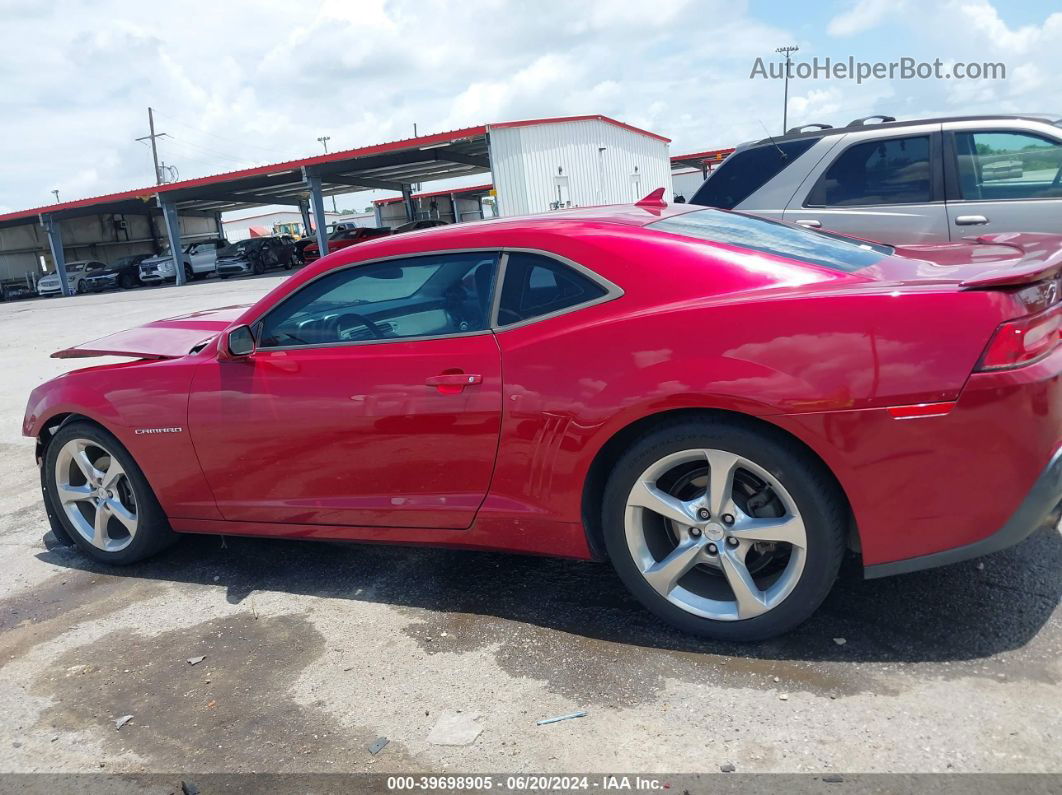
(275, 153)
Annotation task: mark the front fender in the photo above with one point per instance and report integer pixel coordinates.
(136, 401)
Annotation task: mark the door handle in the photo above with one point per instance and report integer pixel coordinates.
(970, 220)
(453, 383)
(811, 223)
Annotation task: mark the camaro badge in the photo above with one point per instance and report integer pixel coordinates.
(139, 431)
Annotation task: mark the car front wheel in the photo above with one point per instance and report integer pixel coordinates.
(101, 497)
(724, 530)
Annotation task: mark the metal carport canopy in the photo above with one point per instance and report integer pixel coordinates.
(390, 166)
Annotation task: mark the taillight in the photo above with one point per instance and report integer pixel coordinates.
(1023, 341)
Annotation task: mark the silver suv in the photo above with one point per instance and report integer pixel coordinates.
(929, 180)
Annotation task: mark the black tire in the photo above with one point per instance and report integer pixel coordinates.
(259, 267)
(153, 532)
(223, 276)
(821, 504)
(189, 274)
(126, 281)
(81, 288)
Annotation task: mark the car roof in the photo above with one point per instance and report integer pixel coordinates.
(859, 125)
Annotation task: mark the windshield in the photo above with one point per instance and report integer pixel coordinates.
(236, 248)
(825, 249)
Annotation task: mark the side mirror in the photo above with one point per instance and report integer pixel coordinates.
(239, 342)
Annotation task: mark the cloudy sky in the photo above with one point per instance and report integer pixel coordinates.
(237, 84)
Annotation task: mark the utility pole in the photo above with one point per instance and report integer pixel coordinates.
(154, 148)
(786, 51)
(56, 192)
(324, 139)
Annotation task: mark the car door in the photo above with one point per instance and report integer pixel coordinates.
(1002, 180)
(373, 399)
(889, 189)
(204, 256)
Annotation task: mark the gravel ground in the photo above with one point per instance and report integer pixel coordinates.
(313, 651)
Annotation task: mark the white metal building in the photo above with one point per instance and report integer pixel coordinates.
(575, 162)
(239, 226)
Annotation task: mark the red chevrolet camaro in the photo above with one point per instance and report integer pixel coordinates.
(718, 404)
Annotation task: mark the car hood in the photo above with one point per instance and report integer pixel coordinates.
(162, 339)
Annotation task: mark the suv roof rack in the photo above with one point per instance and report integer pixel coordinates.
(889, 122)
(865, 119)
(812, 126)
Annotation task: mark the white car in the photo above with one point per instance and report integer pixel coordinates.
(200, 259)
(76, 272)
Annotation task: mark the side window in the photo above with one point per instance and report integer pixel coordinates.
(746, 171)
(417, 297)
(1007, 165)
(893, 171)
(536, 285)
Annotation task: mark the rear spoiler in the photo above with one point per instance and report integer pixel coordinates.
(1040, 260)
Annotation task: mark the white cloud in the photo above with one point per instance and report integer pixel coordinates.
(863, 16)
(242, 84)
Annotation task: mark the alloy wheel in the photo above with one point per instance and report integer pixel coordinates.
(715, 534)
(96, 494)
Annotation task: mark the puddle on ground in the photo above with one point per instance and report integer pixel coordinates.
(233, 711)
(47, 610)
(617, 674)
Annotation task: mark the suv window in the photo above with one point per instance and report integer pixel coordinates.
(536, 285)
(417, 297)
(1008, 165)
(825, 249)
(746, 171)
(892, 171)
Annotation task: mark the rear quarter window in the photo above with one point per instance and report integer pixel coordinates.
(748, 170)
(825, 249)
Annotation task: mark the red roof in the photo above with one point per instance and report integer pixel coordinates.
(455, 191)
(145, 194)
(562, 119)
(711, 154)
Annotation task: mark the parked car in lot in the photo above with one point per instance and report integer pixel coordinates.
(343, 237)
(423, 223)
(255, 255)
(13, 291)
(922, 181)
(77, 273)
(534, 385)
(199, 260)
(126, 271)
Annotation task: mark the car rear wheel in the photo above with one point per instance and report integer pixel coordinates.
(724, 530)
(126, 281)
(101, 497)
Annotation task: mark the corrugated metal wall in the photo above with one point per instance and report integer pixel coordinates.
(583, 163)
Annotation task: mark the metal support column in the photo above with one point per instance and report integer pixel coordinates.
(317, 201)
(407, 199)
(55, 242)
(173, 234)
(376, 211)
(453, 206)
(304, 210)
